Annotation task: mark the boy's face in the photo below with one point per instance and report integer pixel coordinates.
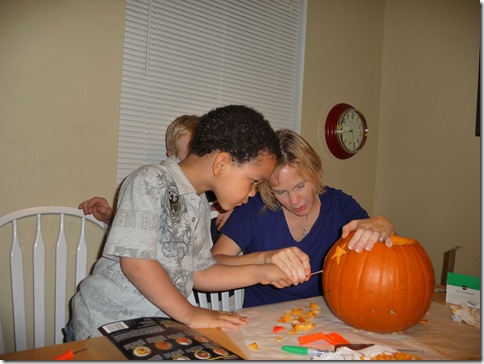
(238, 182)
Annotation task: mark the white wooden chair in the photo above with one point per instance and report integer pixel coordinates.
(28, 265)
(223, 300)
(40, 280)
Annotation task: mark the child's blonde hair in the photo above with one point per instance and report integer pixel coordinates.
(181, 126)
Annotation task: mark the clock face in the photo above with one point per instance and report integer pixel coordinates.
(345, 131)
(351, 131)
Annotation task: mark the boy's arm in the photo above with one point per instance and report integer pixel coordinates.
(221, 277)
(293, 261)
(149, 277)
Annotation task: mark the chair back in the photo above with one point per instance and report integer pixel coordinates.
(42, 278)
(220, 301)
(40, 275)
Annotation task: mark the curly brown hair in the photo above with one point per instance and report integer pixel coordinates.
(239, 130)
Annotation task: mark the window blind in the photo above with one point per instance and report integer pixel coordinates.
(189, 56)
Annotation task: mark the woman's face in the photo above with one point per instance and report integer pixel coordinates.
(293, 192)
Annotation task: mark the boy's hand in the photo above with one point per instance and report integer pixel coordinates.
(292, 261)
(205, 318)
(272, 274)
(99, 207)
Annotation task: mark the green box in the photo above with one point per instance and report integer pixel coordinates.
(463, 290)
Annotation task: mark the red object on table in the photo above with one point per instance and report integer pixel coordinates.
(68, 355)
(332, 338)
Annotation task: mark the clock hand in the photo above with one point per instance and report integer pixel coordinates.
(353, 137)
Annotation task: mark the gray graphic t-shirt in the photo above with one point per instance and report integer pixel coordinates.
(159, 217)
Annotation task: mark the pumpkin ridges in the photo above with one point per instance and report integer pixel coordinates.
(386, 311)
(407, 296)
(362, 311)
(430, 283)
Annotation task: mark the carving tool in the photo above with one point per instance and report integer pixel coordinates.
(68, 355)
(313, 273)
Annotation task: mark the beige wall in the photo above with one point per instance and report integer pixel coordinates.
(343, 64)
(428, 170)
(410, 66)
(60, 76)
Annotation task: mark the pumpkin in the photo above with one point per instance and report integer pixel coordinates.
(382, 290)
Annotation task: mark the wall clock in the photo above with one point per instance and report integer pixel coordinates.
(345, 131)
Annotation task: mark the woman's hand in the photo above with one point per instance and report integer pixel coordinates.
(368, 232)
(292, 261)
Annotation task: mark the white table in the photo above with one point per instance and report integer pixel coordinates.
(440, 339)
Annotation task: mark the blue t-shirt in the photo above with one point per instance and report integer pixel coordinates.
(254, 230)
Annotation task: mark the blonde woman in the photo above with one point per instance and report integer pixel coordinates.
(292, 222)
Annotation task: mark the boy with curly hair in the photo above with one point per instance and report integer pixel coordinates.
(158, 247)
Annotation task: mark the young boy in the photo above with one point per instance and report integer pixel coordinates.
(178, 137)
(158, 247)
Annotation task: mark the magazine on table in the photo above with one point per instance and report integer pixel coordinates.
(161, 338)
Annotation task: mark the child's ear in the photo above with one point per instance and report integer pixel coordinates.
(220, 163)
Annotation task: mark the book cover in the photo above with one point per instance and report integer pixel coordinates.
(161, 338)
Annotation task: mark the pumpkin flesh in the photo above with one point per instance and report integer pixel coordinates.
(383, 290)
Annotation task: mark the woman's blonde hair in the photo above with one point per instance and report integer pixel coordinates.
(298, 153)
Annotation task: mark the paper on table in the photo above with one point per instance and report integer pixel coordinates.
(436, 340)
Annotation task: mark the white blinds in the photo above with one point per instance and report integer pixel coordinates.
(189, 56)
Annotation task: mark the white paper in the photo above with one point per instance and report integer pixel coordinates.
(441, 338)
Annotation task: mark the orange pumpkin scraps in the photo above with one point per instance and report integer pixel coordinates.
(395, 356)
(310, 313)
(302, 320)
(286, 318)
(299, 320)
(366, 290)
(301, 327)
(253, 346)
(276, 329)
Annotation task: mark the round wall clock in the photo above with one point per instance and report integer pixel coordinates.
(345, 131)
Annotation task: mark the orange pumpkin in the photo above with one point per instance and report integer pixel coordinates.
(383, 290)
